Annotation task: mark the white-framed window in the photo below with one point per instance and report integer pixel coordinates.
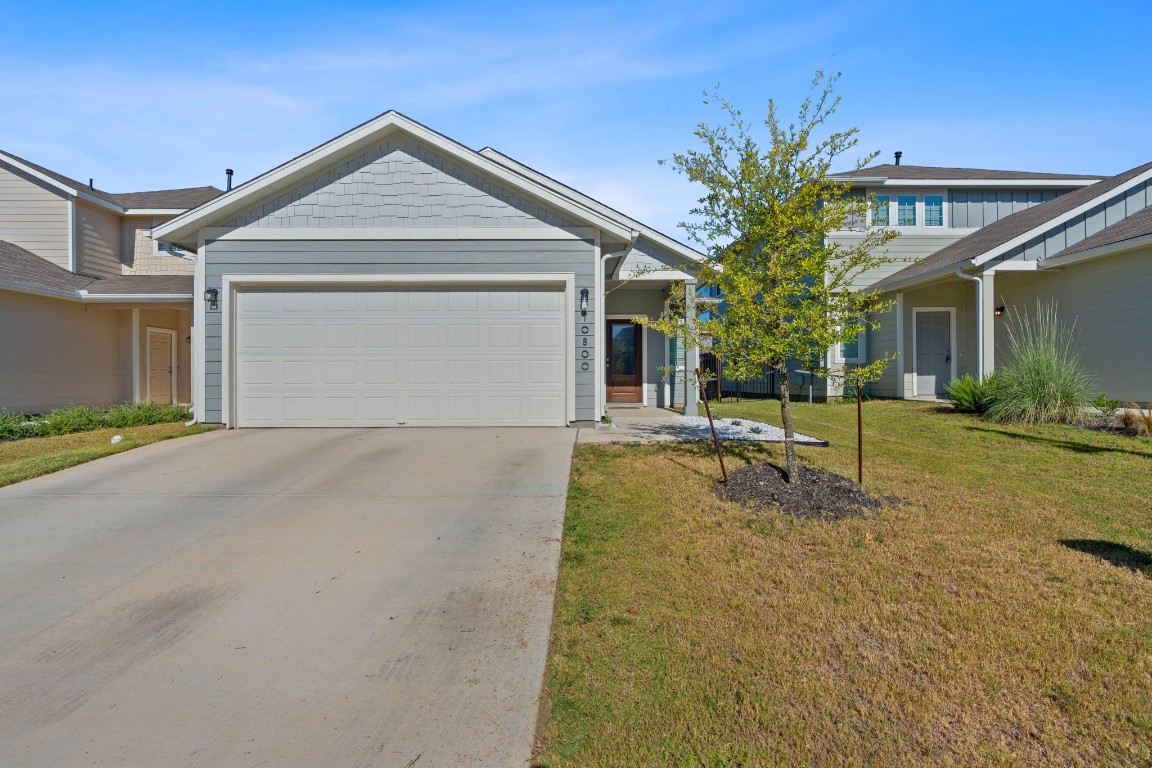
(881, 211)
(906, 211)
(933, 210)
(162, 247)
(852, 351)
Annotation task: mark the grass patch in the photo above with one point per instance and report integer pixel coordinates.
(84, 418)
(1001, 617)
(32, 457)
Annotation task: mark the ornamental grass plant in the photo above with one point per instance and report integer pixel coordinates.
(1045, 381)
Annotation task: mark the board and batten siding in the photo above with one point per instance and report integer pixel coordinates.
(1066, 234)
(98, 241)
(399, 257)
(1107, 300)
(975, 208)
(58, 353)
(33, 215)
(399, 182)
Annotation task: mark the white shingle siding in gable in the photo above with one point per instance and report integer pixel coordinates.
(399, 183)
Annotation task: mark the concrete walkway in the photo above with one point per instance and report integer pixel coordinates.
(327, 597)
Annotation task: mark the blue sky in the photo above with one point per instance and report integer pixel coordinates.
(147, 95)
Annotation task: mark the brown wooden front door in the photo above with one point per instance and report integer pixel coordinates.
(625, 349)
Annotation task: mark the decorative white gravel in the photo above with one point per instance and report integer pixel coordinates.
(729, 431)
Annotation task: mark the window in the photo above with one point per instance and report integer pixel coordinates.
(906, 211)
(880, 209)
(162, 247)
(933, 211)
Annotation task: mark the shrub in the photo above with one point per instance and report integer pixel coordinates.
(84, 418)
(1044, 381)
(1134, 421)
(969, 394)
(1107, 405)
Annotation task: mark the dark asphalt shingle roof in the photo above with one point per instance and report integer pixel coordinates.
(20, 267)
(1000, 232)
(1138, 224)
(913, 172)
(164, 198)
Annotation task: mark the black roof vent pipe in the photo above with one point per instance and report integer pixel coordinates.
(898, 156)
(228, 172)
(90, 184)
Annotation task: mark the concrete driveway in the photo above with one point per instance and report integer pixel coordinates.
(325, 597)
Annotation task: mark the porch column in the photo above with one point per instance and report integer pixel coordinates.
(691, 351)
(988, 326)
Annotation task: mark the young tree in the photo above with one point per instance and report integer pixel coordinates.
(765, 220)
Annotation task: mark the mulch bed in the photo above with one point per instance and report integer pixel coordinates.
(819, 494)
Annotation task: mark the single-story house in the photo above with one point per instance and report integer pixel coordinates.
(1089, 250)
(393, 276)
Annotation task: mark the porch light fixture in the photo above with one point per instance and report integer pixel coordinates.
(999, 311)
(212, 296)
(584, 301)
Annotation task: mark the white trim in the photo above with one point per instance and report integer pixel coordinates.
(1015, 265)
(154, 211)
(398, 233)
(643, 358)
(284, 176)
(234, 283)
(148, 363)
(90, 198)
(1122, 246)
(861, 350)
(884, 181)
(666, 275)
(951, 342)
(83, 295)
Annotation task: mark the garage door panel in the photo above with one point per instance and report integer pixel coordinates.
(384, 357)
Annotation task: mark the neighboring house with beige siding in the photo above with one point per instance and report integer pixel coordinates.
(1088, 249)
(94, 310)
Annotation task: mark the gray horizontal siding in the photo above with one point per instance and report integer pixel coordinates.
(399, 182)
(398, 257)
(904, 250)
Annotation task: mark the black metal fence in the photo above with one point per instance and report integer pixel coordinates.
(719, 387)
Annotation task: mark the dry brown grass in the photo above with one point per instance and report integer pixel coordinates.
(1003, 616)
(35, 456)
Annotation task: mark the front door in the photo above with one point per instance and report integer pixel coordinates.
(933, 352)
(625, 345)
(160, 366)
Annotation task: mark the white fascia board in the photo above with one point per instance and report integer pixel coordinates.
(88, 198)
(37, 290)
(182, 229)
(133, 297)
(1110, 249)
(660, 238)
(918, 281)
(657, 275)
(154, 211)
(1039, 229)
(882, 181)
(38, 175)
(399, 233)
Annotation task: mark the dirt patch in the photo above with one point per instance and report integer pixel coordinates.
(818, 495)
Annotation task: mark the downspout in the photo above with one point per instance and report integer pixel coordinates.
(599, 284)
(979, 321)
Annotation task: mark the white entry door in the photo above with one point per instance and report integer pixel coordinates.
(400, 356)
(161, 362)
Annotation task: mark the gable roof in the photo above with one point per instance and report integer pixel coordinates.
(183, 228)
(165, 199)
(23, 271)
(1004, 234)
(890, 175)
(677, 247)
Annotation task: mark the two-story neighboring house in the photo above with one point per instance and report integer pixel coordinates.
(933, 209)
(94, 310)
(1088, 249)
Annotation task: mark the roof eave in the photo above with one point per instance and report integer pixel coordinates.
(1109, 249)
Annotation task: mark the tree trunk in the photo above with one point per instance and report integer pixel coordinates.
(793, 464)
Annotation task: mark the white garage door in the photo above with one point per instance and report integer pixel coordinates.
(400, 356)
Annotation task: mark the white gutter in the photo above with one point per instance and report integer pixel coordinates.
(83, 295)
(979, 321)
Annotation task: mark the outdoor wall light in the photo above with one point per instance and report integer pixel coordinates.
(999, 311)
(212, 296)
(583, 301)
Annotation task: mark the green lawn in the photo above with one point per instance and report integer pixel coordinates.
(35, 456)
(1002, 616)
